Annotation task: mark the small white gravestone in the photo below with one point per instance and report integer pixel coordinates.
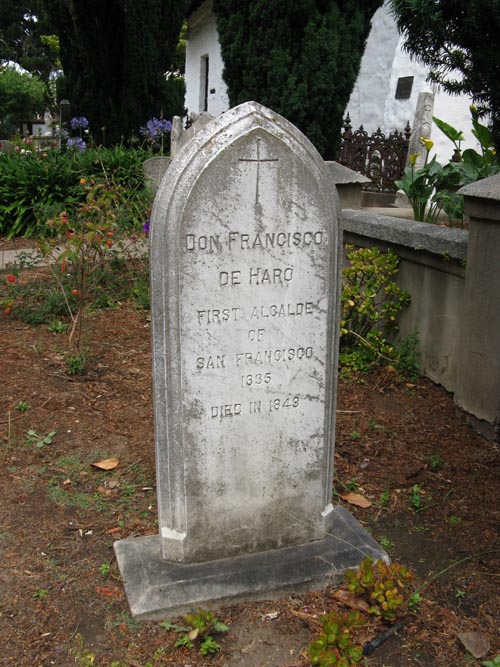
(245, 248)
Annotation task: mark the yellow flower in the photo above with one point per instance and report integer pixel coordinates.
(413, 158)
(428, 143)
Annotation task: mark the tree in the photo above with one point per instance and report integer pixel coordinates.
(459, 41)
(114, 56)
(26, 37)
(21, 96)
(298, 57)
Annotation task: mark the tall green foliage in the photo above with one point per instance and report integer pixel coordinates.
(298, 57)
(114, 56)
(21, 96)
(26, 36)
(458, 40)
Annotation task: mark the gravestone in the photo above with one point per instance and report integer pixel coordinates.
(421, 128)
(245, 251)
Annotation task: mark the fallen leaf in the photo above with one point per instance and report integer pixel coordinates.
(355, 499)
(104, 491)
(106, 464)
(351, 600)
(475, 642)
(108, 592)
(112, 531)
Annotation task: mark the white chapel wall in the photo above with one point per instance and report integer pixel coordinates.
(372, 103)
(202, 41)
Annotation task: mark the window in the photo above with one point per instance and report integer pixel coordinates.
(204, 72)
(403, 89)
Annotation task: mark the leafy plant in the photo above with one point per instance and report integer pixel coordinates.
(335, 646)
(40, 593)
(385, 498)
(435, 461)
(22, 406)
(75, 362)
(432, 188)
(200, 627)
(414, 602)
(104, 569)
(371, 302)
(34, 438)
(386, 543)
(58, 327)
(492, 663)
(416, 497)
(381, 584)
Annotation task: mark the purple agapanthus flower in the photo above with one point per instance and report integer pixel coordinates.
(77, 143)
(79, 123)
(154, 128)
(145, 227)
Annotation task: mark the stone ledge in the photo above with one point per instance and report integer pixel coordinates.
(417, 235)
(157, 589)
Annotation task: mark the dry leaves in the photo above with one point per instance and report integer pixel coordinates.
(351, 600)
(475, 642)
(106, 464)
(355, 499)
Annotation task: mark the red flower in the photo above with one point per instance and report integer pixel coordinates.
(109, 243)
(7, 311)
(74, 291)
(11, 279)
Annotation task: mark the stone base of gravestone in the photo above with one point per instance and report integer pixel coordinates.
(157, 589)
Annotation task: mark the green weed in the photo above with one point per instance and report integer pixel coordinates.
(22, 406)
(39, 441)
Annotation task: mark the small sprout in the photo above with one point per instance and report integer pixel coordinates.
(104, 569)
(414, 602)
(386, 544)
(385, 498)
(22, 406)
(415, 497)
(40, 594)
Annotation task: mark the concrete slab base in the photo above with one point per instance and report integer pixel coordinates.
(157, 589)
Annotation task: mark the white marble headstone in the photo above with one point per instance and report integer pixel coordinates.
(244, 243)
(244, 308)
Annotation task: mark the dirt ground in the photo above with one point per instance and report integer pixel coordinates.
(433, 483)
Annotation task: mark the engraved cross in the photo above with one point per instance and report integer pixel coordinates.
(258, 160)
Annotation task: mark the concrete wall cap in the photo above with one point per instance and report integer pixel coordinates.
(487, 188)
(417, 235)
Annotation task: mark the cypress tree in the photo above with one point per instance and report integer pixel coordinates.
(297, 57)
(114, 56)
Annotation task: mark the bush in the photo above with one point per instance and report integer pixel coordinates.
(35, 187)
(371, 302)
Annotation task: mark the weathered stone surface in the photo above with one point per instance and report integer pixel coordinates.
(157, 589)
(154, 169)
(245, 244)
(421, 128)
(244, 259)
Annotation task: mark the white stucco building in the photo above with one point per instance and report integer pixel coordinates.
(385, 94)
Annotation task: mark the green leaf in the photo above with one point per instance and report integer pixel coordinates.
(448, 130)
(218, 626)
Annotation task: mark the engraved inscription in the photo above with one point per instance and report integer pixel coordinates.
(262, 241)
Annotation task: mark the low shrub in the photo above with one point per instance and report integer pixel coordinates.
(36, 186)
